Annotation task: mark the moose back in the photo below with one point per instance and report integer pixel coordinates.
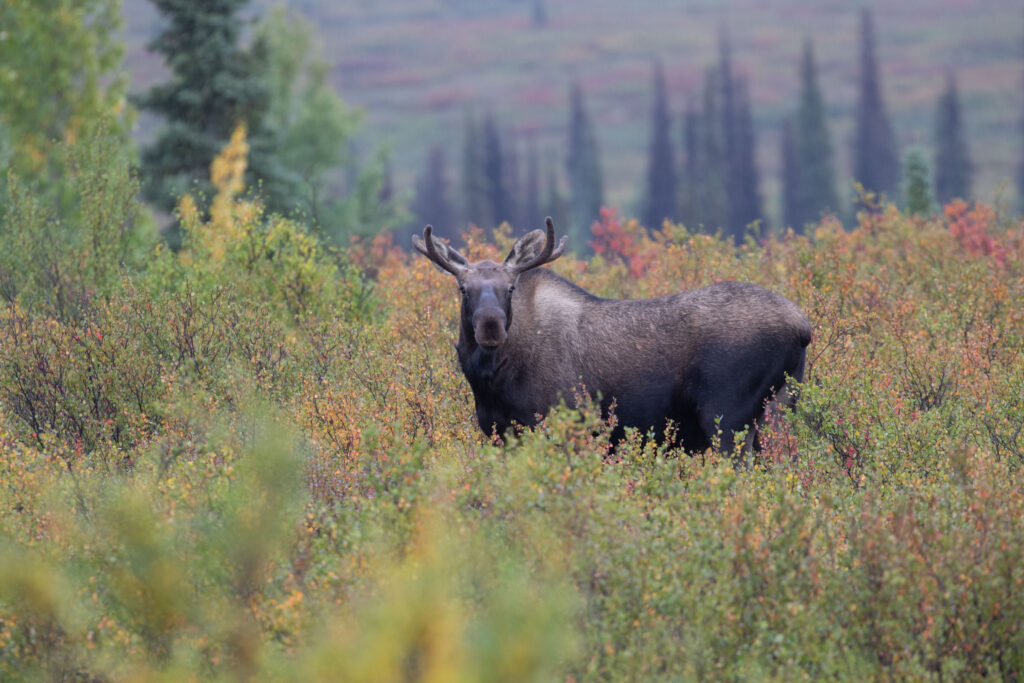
(703, 360)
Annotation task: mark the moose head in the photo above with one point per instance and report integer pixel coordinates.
(486, 286)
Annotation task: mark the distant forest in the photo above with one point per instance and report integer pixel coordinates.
(703, 154)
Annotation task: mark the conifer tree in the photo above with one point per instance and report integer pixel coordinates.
(744, 199)
(430, 203)
(215, 85)
(660, 202)
(539, 13)
(712, 163)
(689, 187)
(743, 205)
(917, 195)
(1020, 171)
(387, 189)
(510, 176)
(555, 204)
(494, 172)
(816, 188)
(792, 214)
(876, 164)
(952, 160)
(531, 192)
(726, 97)
(583, 167)
(473, 185)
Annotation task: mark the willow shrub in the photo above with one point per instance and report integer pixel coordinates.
(257, 457)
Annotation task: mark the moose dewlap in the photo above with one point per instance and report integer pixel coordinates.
(703, 360)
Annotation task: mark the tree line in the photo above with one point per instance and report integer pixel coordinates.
(709, 179)
(64, 80)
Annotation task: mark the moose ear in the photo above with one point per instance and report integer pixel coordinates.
(526, 249)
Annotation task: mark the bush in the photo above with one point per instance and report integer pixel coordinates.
(257, 457)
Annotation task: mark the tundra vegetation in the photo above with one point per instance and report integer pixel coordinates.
(257, 458)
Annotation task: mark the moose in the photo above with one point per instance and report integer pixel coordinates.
(708, 362)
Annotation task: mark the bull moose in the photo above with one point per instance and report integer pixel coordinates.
(708, 360)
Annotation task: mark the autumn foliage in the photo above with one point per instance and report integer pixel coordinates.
(256, 458)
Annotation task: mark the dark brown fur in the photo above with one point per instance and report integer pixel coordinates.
(705, 360)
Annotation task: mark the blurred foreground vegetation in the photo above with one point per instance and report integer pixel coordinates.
(256, 458)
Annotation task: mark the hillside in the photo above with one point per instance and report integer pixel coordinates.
(416, 66)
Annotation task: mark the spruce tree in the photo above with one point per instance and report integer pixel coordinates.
(917, 195)
(952, 161)
(555, 204)
(689, 177)
(792, 213)
(876, 164)
(743, 204)
(511, 177)
(583, 167)
(816, 191)
(726, 103)
(1020, 171)
(712, 163)
(494, 172)
(660, 202)
(744, 199)
(473, 186)
(531, 191)
(539, 13)
(215, 86)
(430, 204)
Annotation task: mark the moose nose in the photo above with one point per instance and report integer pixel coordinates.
(489, 321)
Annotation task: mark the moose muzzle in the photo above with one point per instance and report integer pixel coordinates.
(489, 321)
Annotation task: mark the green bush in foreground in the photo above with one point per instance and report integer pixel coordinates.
(246, 460)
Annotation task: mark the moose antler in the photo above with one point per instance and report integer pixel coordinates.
(428, 248)
(549, 253)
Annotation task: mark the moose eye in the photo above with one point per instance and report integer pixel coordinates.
(511, 288)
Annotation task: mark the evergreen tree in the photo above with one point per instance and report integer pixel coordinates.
(917, 195)
(474, 189)
(510, 175)
(539, 13)
(712, 163)
(952, 161)
(215, 86)
(1020, 172)
(744, 199)
(875, 159)
(660, 202)
(816, 188)
(531, 192)
(494, 173)
(387, 190)
(726, 103)
(555, 204)
(792, 213)
(430, 204)
(689, 189)
(583, 166)
(743, 205)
